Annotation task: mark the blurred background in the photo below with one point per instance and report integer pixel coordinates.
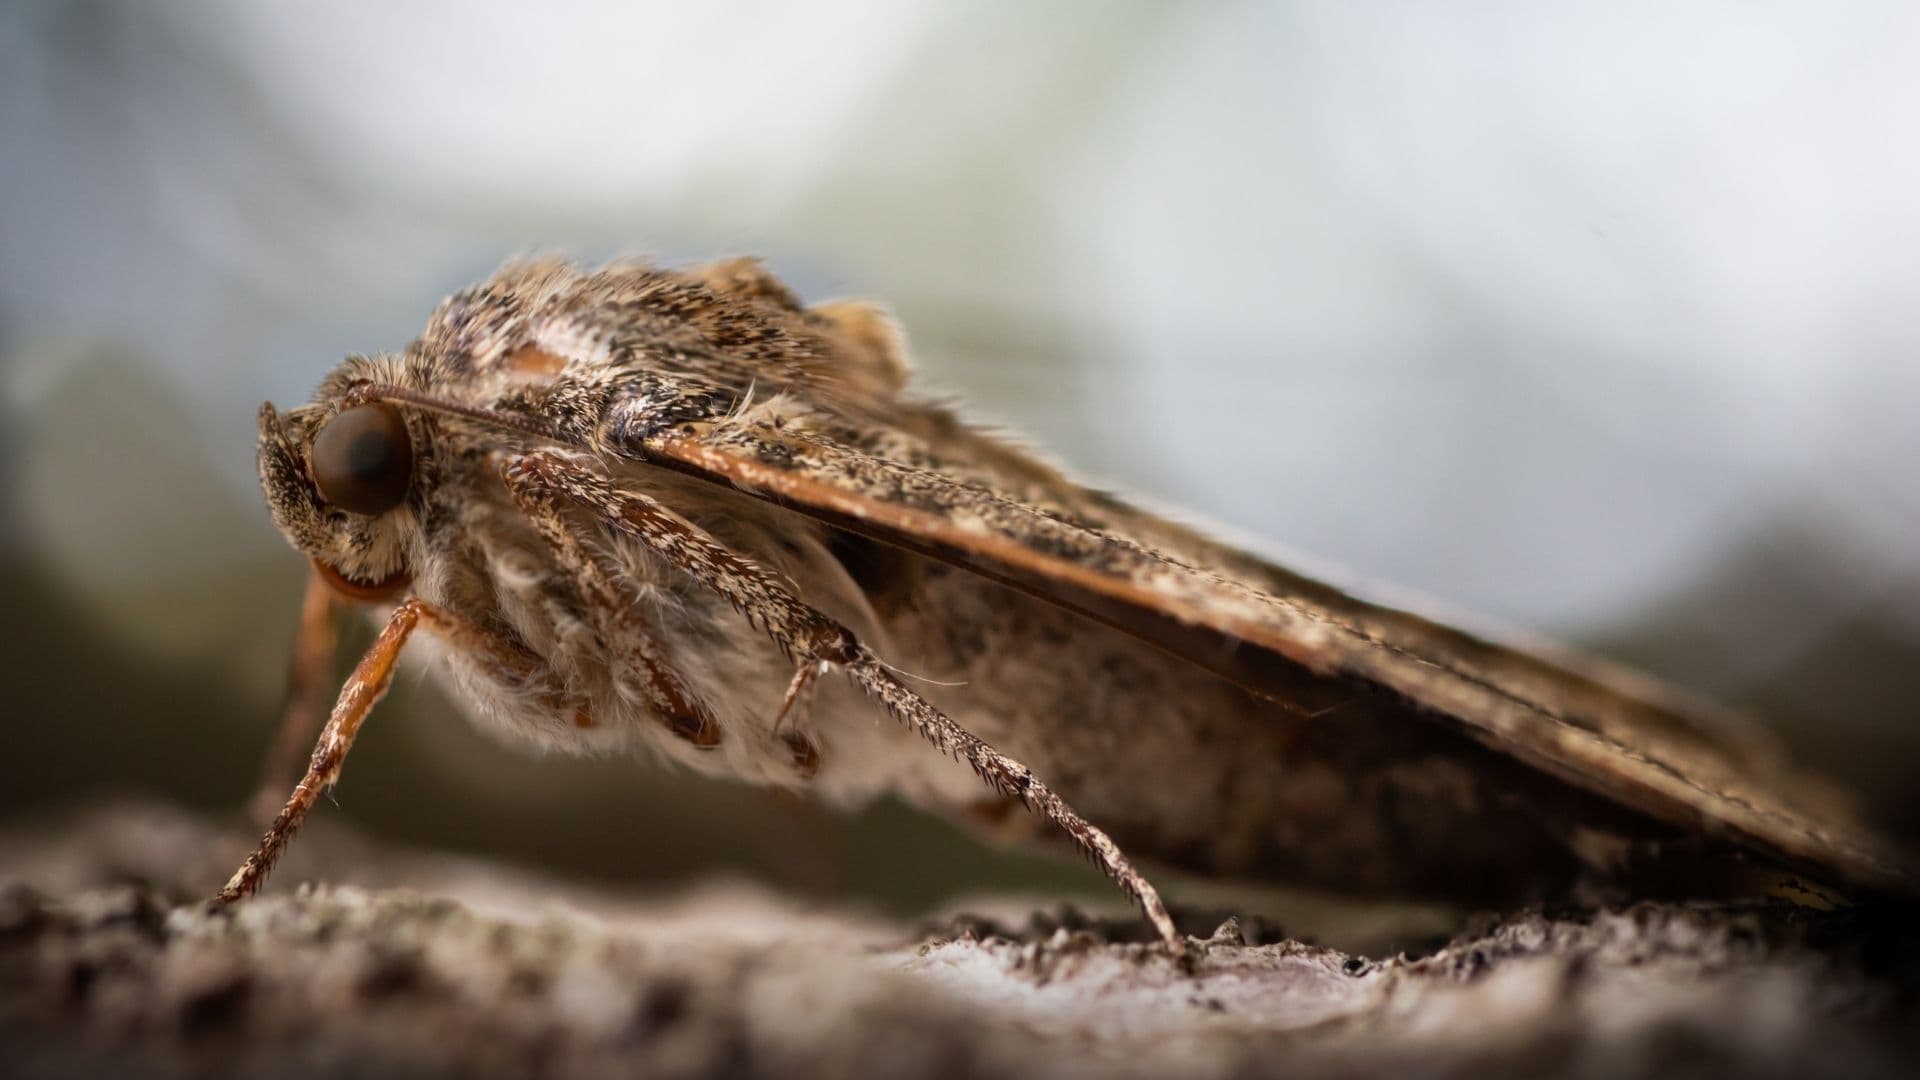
(1601, 323)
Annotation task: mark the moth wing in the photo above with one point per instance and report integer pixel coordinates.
(928, 484)
(857, 456)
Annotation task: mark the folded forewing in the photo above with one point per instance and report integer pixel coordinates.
(954, 495)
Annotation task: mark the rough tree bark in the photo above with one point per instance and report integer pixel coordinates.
(112, 964)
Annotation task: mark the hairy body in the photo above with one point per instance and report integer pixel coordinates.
(649, 511)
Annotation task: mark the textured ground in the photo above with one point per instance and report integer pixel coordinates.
(109, 964)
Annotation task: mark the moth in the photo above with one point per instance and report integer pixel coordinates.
(682, 513)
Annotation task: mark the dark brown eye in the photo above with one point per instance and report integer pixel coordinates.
(363, 460)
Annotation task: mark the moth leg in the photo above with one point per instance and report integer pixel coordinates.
(810, 636)
(798, 701)
(363, 689)
(615, 612)
(314, 641)
(798, 704)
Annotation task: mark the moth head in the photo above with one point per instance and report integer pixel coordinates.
(342, 483)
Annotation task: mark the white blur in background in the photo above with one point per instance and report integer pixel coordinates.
(1598, 321)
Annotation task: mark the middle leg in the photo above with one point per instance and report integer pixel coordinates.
(614, 611)
(811, 638)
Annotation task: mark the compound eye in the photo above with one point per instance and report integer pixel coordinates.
(362, 459)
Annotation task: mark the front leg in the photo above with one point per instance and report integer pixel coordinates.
(363, 690)
(810, 637)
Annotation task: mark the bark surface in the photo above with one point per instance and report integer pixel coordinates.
(112, 964)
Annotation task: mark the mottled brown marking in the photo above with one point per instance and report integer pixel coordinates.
(1644, 752)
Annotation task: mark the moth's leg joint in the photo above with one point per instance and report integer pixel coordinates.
(832, 644)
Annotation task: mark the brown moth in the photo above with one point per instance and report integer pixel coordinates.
(684, 514)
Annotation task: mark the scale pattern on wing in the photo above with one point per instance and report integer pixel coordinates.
(1619, 735)
(721, 373)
